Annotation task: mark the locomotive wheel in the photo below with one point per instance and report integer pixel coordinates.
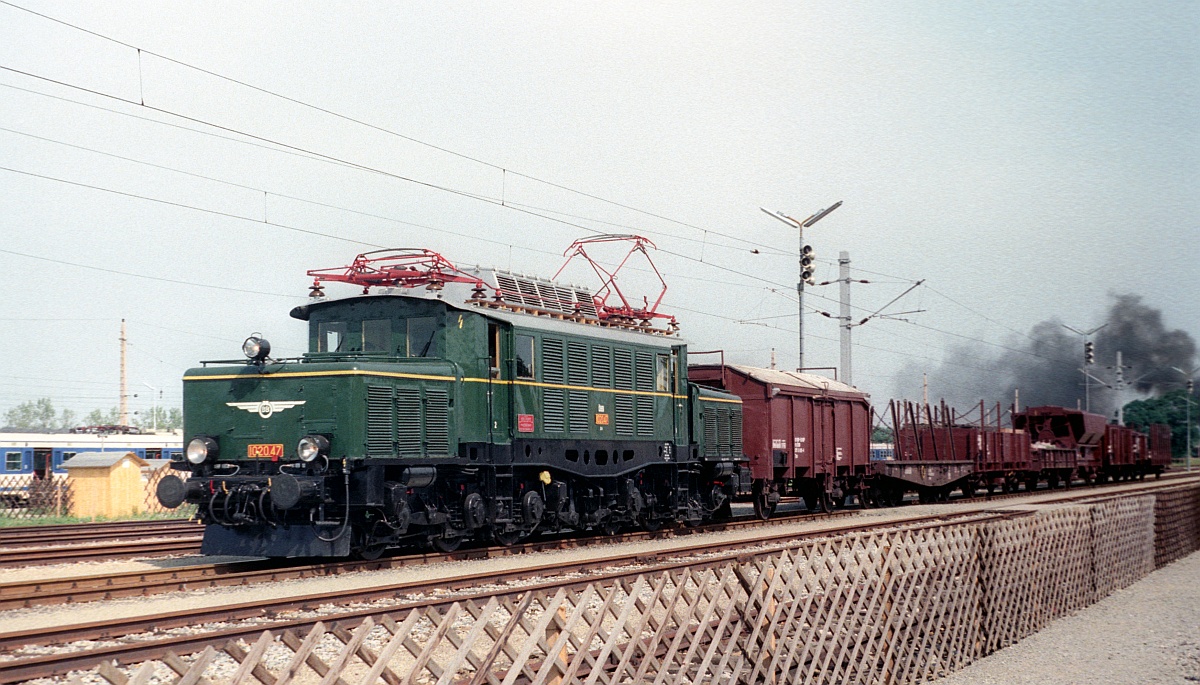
(724, 512)
(507, 538)
(610, 526)
(446, 545)
(651, 524)
(371, 552)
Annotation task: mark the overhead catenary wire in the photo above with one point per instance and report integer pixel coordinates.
(324, 110)
(529, 209)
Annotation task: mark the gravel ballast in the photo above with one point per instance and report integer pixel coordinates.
(1147, 633)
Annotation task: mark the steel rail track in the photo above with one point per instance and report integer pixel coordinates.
(25, 668)
(37, 556)
(24, 594)
(50, 665)
(205, 576)
(73, 532)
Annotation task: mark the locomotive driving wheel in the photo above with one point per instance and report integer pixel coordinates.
(446, 545)
(507, 538)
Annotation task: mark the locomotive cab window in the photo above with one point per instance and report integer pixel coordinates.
(493, 336)
(376, 335)
(662, 373)
(331, 336)
(420, 336)
(524, 354)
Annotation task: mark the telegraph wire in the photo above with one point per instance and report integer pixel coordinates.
(279, 195)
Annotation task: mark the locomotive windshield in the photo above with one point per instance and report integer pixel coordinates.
(413, 337)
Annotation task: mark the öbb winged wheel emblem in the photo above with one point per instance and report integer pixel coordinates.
(265, 408)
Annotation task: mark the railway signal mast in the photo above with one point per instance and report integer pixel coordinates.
(1089, 359)
(807, 259)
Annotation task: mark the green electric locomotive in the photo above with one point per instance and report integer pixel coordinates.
(445, 405)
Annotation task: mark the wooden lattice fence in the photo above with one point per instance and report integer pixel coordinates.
(1176, 524)
(24, 496)
(891, 606)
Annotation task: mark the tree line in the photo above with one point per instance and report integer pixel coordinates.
(40, 416)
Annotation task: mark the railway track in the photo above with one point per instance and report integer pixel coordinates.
(16, 536)
(87, 588)
(154, 642)
(39, 545)
(41, 592)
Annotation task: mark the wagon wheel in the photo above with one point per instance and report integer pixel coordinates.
(820, 502)
(763, 508)
(868, 497)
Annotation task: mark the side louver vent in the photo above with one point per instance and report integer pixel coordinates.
(602, 367)
(645, 415)
(408, 422)
(724, 438)
(437, 422)
(711, 448)
(554, 400)
(623, 404)
(735, 427)
(579, 410)
(577, 366)
(380, 441)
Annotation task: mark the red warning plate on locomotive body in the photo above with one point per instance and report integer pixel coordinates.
(524, 423)
(272, 452)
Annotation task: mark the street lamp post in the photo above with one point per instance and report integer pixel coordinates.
(800, 226)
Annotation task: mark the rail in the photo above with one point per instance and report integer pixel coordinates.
(892, 605)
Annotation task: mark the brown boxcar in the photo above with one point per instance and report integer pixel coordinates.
(1160, 449)
(804, 434)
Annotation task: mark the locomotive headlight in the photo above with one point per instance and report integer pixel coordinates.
(311, 447)
(200, 449)
(256, 348)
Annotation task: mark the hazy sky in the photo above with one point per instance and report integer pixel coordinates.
(1025, 158)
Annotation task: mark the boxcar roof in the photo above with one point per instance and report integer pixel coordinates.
(804, 383)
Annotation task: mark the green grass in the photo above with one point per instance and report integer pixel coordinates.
(26, 518)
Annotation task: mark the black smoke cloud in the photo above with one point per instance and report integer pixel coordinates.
(1044, 365)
